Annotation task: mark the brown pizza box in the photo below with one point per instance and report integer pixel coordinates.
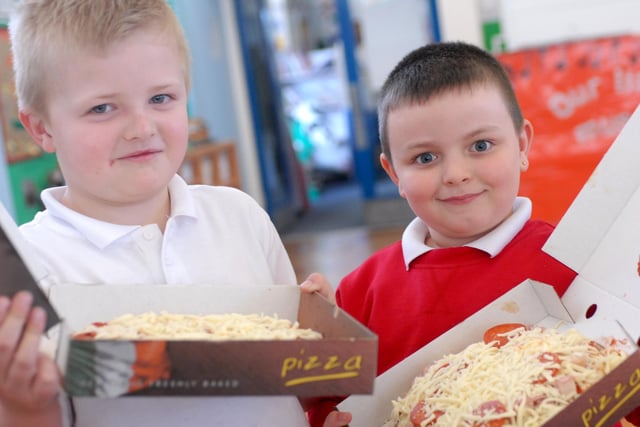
(599, 237)
(343, 361)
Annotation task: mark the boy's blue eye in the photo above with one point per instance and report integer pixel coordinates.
(425, 158)
(100, 109)
(159, 99)
(482, 145)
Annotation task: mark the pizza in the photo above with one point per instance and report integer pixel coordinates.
(518, 375)
(212, 327)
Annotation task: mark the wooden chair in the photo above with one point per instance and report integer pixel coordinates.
(207, 161)
(212, 163)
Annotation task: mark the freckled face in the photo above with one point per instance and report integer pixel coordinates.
(118, 121)
(457, 160)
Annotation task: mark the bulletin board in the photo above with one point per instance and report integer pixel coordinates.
(578, 95)
(18, 145)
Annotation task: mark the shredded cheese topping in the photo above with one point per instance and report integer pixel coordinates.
(165, 326)
(523, 383)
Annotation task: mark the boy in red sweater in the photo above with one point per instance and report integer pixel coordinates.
(455, 142)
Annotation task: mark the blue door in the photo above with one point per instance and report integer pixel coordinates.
(282, 177)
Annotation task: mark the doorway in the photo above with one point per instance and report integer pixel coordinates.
(324, 111)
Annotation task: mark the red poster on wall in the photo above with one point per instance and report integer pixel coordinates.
(578, 96)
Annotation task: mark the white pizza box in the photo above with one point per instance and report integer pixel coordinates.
(531, 303)
(598, 237)
(344, 359)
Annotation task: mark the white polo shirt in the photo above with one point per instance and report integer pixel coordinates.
(214, 236)
(415, 235)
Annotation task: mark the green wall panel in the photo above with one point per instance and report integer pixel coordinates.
(34, 173)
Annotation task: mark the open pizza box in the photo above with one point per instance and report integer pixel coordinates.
(342, 362)
(599, 237)
(344, 359)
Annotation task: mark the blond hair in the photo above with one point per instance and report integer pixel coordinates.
(41, 31)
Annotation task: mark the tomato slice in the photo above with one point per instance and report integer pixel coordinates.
(496, 335)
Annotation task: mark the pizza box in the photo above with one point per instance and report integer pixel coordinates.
(531, 303)
(19, 271)
(344, 360)
(598, 237)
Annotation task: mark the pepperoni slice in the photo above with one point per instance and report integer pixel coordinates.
(85, 336)
(490, 407)
(418, 415)
(496, 335)
(89, 335)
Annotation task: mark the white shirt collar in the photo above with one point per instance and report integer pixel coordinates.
(414, 236)
(102, 234)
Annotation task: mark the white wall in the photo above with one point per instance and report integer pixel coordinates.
(530, 23)
(389, 30)
(249, 163)
(460, 20)
(219, 92)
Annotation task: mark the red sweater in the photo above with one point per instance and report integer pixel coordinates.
(408, 309)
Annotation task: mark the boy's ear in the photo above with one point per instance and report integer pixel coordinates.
(524, 140)
(36, 127)
(388, 168)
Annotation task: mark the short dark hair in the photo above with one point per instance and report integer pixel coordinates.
(440, 67)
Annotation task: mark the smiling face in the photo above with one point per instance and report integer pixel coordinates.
(457, 159)
(117, 121)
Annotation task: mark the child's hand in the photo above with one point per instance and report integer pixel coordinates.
(29, 380)
(337, 419)
(316, 282)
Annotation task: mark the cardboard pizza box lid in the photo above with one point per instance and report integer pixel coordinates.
(20, 268)
(599, 237)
